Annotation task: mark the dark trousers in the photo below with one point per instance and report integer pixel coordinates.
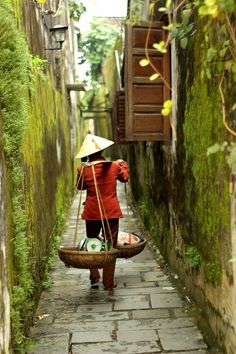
(93, 228)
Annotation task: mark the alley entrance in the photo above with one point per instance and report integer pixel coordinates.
(145, 314)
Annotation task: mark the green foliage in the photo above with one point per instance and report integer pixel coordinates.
(20, 75)
(75, 8)
(230, 149)
(193, 256)
(213, 272)
(144, 209)
(15, 62)
(97, 43)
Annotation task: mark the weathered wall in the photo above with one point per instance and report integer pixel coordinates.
(38, 170)
(183, 195)
(4, 259)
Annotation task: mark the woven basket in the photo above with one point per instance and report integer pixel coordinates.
(128, 251)
(71, 257)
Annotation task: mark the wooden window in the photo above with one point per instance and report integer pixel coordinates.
(144, 98)
(118, 117)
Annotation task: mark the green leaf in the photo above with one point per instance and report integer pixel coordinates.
(185, 18)
(234, 107)
(211, 54)
(210, 3)
(167, 104)
(168, 28)
(174, 32)
(232, 260)
(154, 76)
(144, 62)
(184, 42)
(228, 5)
(233, 67)
(162, 9)
(213, 149)
(208, 73)
(203, 10)
(160, 47)
(165, 112)
(168, 4)
(223, 52)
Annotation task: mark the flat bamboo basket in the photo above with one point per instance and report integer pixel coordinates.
(72, 257)
(128, 251)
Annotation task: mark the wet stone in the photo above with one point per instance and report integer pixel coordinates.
(131, 302)
(155, 323)
(181, 339)
(95, 307)
(51, 344)
(92, 316)
(144, 314)
(150, 313)
(136, 335)
(165, 300)
(92, 336)
(117, 348)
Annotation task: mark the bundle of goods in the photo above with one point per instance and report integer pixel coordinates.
(129, 244)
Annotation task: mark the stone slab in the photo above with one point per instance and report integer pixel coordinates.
(107, 307)
(51, 344)
(150, 313)
(154, 276)
(131, 303)
(92, 316)
(165, 300)
(151, 323)
(136, 335)
(91, 336)
(140, 284)
(143, 291)
(117, 348)
(181, 339)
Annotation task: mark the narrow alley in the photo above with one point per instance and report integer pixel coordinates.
(145, 314)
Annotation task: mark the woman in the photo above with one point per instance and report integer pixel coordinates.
(104, 184)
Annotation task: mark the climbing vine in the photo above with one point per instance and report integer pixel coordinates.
(219, 54)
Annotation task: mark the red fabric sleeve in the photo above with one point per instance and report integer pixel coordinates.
(123, 174)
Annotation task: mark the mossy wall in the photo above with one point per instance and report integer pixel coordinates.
(36, 160)
(183, 195)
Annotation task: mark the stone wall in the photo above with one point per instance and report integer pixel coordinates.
(36, 162)
(183, 195)
(4, 275)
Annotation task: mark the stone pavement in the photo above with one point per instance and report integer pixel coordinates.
(144, 314)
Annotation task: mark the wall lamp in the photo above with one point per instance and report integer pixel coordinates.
(59, 35)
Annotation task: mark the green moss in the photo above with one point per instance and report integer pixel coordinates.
(37, 151)
(193, 256)
(213, 272)
(207, 198)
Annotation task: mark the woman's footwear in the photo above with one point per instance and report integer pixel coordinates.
(95, 283)
(114, 285)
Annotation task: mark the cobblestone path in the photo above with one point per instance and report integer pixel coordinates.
(144, 314)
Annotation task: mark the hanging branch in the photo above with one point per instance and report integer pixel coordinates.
(223, 107)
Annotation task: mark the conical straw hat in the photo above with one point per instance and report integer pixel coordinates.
(92, 144)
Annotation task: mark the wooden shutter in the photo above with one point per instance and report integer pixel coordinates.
(144, 98)
(118, 117)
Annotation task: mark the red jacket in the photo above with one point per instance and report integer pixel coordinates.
(107, 175)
